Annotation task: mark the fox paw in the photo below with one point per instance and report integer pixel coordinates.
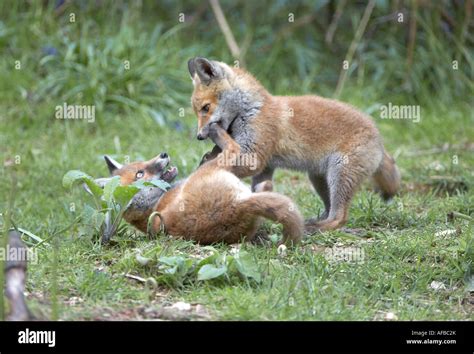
(214, 131)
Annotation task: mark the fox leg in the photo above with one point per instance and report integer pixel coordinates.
(223, 140)
(263, 181)
(232, 155)
(321, 186)
(342, 181)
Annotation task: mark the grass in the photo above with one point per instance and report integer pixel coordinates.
(145, 110)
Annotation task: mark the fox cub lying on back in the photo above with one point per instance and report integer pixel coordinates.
(211, 205)
(337, 145)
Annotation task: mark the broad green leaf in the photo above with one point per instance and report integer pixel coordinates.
(92, 220)
(169, 270)
(171, 261)
(211, 259)
(224, 258)
(141, 183)
(247, 266)
(209, 271)
(123, 194)
(88, 214)
(208, 260)
(109, 189)
(75, 177)
(153, 183)
(170, 265)
(160, 184)
(186, 266)
(98, 220)
(176, 265)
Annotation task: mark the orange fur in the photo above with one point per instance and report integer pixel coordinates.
(213, 205)
(338, 145)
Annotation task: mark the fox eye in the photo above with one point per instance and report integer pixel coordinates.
(139, 174)
(205, 108)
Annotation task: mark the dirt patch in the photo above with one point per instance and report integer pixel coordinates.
(179, 311)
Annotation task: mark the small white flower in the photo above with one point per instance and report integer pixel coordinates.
(437, 285)
(281, 250)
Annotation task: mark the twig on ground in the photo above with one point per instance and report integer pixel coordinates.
(135, 277)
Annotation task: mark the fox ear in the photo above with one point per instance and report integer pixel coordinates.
(206, 70)
(192, 67)
(112, 164)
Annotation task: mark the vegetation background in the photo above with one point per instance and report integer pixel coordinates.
(417, 251)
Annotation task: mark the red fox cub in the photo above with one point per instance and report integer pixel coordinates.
(211, 205)
(337, 145)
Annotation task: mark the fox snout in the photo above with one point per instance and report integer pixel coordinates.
(203, 133)
(158, 164)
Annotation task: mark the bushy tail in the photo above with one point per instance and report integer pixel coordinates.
(278, 208)
(387, 177)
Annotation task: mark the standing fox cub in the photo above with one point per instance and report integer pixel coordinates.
(337, 145)
(211, 205)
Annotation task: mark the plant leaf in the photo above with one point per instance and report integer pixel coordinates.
(110, 188)
(170, 265)
(171, 261)
(246, 265)
(76, 176)
(210, 271)
(208, 260)
(123, 194)
(92, 220)
(163, 185)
